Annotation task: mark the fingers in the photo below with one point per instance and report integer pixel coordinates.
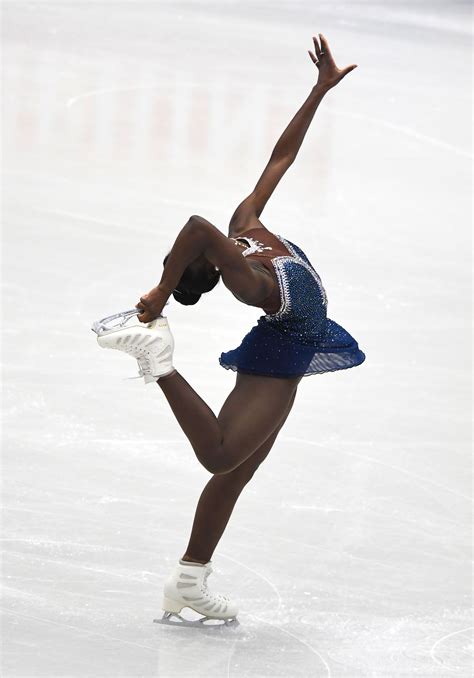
(313, 58)
(143, 316)
(348, 69)
(317, 48)
(324, 45)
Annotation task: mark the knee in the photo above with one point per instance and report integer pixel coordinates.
(238, 474)
(219, 462)
(219, 467)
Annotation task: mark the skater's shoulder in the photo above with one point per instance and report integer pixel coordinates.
(250, 227)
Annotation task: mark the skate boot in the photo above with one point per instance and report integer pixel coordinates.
(187, 587)
(151, 344)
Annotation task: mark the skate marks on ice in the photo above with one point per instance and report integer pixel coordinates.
(442, 649)
(404, 130)
(275, 612)
(300, 640)
(260, 576)
(423, 480)
(110, 90)
(255, 648)
(241, 652)
(85, 631)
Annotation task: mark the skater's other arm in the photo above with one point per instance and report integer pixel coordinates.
(247, 213)
(199, 237)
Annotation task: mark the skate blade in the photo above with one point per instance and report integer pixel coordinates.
(113, 322)
(203, 623)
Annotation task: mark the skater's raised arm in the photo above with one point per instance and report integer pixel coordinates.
(289, 143)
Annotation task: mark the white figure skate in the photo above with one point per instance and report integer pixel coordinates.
(151, 343)
(187, 587)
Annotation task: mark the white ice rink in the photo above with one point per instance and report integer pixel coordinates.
(349, 552)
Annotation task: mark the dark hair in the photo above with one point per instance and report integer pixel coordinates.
(193, 283)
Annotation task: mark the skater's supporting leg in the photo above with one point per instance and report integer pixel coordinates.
(248, 417)
(218, 499)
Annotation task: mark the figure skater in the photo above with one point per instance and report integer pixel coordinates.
(294, 339)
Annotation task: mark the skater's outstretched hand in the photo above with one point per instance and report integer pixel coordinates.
(329, 74)
(152, 304)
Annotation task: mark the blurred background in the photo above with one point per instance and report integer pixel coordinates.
(349, 552)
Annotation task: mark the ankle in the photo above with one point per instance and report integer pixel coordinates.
(168, 374)
(190, 559)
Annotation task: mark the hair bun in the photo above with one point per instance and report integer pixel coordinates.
(186, 298)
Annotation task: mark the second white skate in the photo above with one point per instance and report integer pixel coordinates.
(187, 588)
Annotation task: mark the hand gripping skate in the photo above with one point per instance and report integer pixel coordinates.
(151, 343)
(187, 587)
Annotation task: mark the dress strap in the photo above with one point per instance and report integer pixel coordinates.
(254, 246)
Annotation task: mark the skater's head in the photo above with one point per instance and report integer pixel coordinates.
(199, 277)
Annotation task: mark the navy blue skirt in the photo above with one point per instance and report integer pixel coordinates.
(299, 339)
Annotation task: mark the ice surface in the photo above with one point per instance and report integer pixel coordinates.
(349, 551)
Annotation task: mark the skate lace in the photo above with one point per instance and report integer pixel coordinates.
(144, 367)
(218, 597)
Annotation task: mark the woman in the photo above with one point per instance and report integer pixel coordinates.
(294, 339)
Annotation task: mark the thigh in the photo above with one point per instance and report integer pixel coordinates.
(244, 472)
(251, 413)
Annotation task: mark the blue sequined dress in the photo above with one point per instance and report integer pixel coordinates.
(298, 339)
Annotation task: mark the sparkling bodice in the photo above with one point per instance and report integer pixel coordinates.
(302, 312)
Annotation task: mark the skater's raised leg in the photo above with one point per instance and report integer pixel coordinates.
(247, 418)
(218, 499)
